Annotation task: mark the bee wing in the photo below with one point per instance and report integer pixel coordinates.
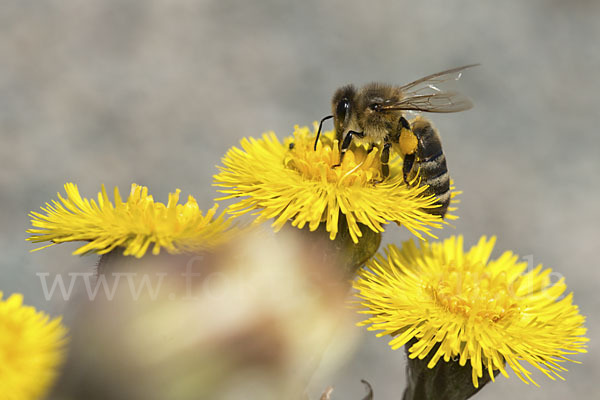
(427, 94)
(443, 102)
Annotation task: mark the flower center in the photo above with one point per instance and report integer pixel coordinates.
(473, 293)
(359, 166)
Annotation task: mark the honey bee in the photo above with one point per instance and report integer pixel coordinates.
(375, 114)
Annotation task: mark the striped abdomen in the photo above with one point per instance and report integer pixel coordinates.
(430, 163)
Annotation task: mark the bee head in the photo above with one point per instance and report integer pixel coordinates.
(342, 107)
(373, 116)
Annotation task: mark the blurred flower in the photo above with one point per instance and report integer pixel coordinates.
(487, 313)
(31, 350)
(252, 319)
(133, 225)
(327, 393)
(291, 181)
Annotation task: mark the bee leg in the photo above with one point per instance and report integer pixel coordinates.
(385, 158)
(346, 145)
(409, 160)
(404, 124)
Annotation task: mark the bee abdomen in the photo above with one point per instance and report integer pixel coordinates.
(429, 163)
(435, 175)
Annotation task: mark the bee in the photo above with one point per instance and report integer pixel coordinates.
(375, 114)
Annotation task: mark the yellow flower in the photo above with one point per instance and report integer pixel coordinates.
(479, 311)
(291, 181)
(134, 224)
(31, 350)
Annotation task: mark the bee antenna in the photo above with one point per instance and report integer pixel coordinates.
(321, 126)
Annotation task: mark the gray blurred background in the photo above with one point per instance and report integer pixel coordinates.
(155, 92)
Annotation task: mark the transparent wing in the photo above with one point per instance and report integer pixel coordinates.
(444, 102)
(428, 94)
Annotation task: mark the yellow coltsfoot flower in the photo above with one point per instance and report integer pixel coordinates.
(133, 225)
(290, 181)
(461, 306)
(31, 350)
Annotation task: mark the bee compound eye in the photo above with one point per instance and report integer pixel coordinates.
(342, 108)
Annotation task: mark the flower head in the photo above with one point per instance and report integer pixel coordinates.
(291, 181)
(31, 349)
(479, 311)
(133, 224)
